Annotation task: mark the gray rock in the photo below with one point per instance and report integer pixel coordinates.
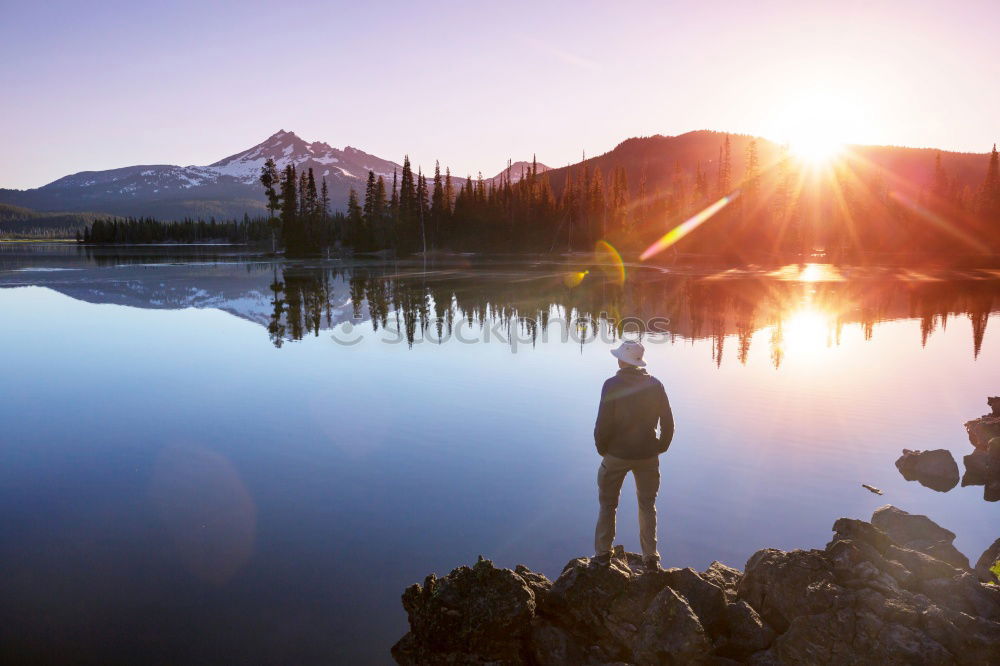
(988, 564)
(724, 577)
(746, 632)
(552, 646)
(473, 615)
(670, 632)
(978, 468)
(934, 469)
(783, 585)
(848, 636)
(706, 599)
(966, 594)
(972, 641)
(985, 428)
(918, 532)
(859, 530)
(881, 594)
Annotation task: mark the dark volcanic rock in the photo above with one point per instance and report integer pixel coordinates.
(988, 564)
(707, 599)
(848, 636)
(473, 615)
(935, 469)
(724, 577)
(919, 533)
(985, 428)
(883, 593)
(977, 468)
(670, 632)
(746, 632)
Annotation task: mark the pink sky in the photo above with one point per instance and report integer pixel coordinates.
(107, 84)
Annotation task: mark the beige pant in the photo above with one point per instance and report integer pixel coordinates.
(610, 476)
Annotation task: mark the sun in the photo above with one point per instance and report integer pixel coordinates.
(815, 125)
(815, 149)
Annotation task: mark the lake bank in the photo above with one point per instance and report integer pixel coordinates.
(891, 590)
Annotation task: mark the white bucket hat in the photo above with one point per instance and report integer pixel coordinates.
(630, 352)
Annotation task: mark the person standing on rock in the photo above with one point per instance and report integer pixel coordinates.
(633, 404)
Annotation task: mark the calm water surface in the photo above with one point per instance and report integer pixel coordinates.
(208, 458)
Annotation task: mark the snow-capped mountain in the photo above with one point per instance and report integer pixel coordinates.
(226, 188)
(286, 147)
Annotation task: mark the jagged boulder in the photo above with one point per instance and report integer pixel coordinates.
(745, 632)
(986, 427)
(850, 636)
(988, 564)
(934, 469)
(725, 577)
(879, 592)
(628, 614)
(919, 533)
(706, 599)
(978, 468)
(670, 632)
(474, 615)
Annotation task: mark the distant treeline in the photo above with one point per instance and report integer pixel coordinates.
(778, 208)
(148, 230)
(786, 208)
(20, 222)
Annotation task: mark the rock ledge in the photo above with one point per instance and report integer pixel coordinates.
(893, 591)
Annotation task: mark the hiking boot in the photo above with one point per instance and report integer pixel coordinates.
(603, 559)
(651, 564)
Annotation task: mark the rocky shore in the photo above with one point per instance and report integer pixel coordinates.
(982, 466)
(891, 591)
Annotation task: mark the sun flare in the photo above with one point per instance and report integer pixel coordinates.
(806, 330)
(816, 126)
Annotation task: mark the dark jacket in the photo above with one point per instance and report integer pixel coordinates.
(632, 403)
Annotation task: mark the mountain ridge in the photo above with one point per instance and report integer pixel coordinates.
(228, 187)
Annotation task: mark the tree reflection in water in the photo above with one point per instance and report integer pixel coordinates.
(802, 306)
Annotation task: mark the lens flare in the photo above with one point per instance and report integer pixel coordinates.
(687, 226)
(609, 260)
(939, 222)
(574, 278)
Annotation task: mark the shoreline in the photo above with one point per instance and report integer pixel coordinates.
(892, 590)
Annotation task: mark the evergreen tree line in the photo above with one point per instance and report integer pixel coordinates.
(786, 209)
(297, 210)
(150, 230)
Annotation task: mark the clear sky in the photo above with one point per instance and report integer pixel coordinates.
(97, 85)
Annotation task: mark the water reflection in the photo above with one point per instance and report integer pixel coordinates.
(803, 316)
(798, 309)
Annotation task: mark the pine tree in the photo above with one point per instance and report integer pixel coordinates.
(752, 170)
(290, 211)
(380, 215)
(989, 197)
(355, 223)
(437, 214)
(449, 191)
(940, 186)
(394, 201)
(423, 211)
(369, 209)
(725, 168)
(269, 178)
(324, 202)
